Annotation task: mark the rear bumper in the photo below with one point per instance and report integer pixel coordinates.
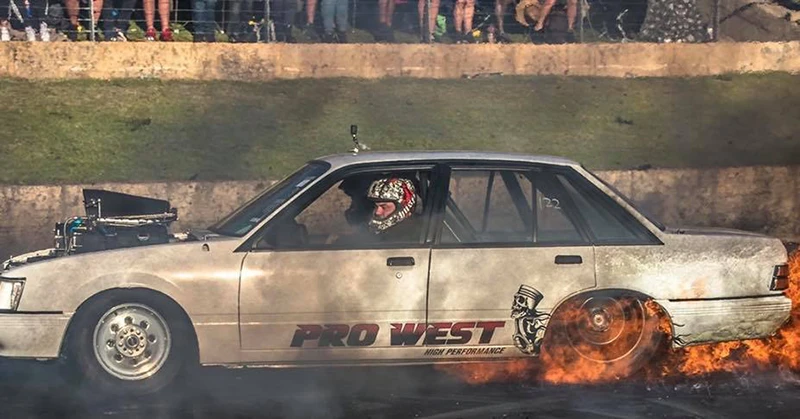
(706, 321)
(26, 335)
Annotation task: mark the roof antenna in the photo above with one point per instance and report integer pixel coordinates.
(354, 134)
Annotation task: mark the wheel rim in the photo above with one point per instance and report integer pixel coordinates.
(606, 329)
(132, 341)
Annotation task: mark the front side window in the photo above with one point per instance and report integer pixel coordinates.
(360, 211)
(248, 216)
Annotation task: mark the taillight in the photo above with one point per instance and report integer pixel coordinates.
(780, 278)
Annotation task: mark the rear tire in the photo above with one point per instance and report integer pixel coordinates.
(615, 334)
(129, 343)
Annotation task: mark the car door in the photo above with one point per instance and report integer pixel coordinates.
(318, 287)
(510, 238)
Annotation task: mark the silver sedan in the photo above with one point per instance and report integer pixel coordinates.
(501, 256)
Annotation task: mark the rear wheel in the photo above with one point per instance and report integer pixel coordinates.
(129, 342)
(617, 332)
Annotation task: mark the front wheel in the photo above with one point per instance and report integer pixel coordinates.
(129, 342)
(605, 335)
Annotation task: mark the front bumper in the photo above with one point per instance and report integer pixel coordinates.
(27, 335)
(706, 321)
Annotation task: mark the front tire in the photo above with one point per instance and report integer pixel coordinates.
(129, 342)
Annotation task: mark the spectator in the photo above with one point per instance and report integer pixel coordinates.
(239, 14)
(463, 11)
(5, 35)
(335, 11)
(283, 13)
(384, 32)
(431, 18)
(34, 18)
(73, 12)
(204, 23)
(116, 20)
(500, 14)
(547, 6)
(163, 16)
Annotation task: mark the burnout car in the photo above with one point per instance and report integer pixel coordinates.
(501, 245)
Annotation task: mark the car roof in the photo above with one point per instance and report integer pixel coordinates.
(342, 160)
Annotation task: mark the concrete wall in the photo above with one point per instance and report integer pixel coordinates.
(764, 199)
(251, 62)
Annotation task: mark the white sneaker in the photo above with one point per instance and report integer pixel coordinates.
(5, 35)
(44, 32)
(30, 34)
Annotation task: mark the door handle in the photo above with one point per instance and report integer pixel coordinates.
(400, 261)
(568, 260)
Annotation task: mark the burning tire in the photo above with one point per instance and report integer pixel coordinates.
(129, 343)
(613, 334)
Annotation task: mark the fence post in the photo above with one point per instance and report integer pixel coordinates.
(715, 29)
(353, 20)
(427, 24)
(582, 13)
(91, 20)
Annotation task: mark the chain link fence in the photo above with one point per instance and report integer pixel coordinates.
(400, 21)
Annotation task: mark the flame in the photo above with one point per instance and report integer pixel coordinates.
(779, 351)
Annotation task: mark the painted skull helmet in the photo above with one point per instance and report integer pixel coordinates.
(397, 190)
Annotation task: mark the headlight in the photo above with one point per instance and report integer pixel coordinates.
(11, 293)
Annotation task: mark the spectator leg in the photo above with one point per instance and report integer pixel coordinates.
(545, 11)
(572, 14)
(328, 9)
(500, 14)
(108, 20)
(98, 9)
(458, 16)
(149, 13)
(72, 12)
(37, 13)
(469, 12)
(203, 16)
(342, 9)
(125, 13)
(390, 12)
(163, 13)
(311, 10)
(234, 26)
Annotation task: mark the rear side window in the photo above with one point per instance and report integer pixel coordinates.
(608, 222)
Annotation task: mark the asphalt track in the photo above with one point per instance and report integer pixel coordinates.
(32, 390)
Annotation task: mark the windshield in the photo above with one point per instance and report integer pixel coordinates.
(249, 215)
(628, 201)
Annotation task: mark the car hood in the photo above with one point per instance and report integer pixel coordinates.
(148, 257)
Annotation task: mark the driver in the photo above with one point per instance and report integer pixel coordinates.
(395, 202)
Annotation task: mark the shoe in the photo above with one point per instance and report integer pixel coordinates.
(150, 35)
(341, 37)
(72, 33)
(570, 37)
(503, 38)
(284, 34)
(30, 34)
(5, 35)
(44, 32)
(119, 36)
(328, 38)
(166, 35)
(537, 37)
(389, 34)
